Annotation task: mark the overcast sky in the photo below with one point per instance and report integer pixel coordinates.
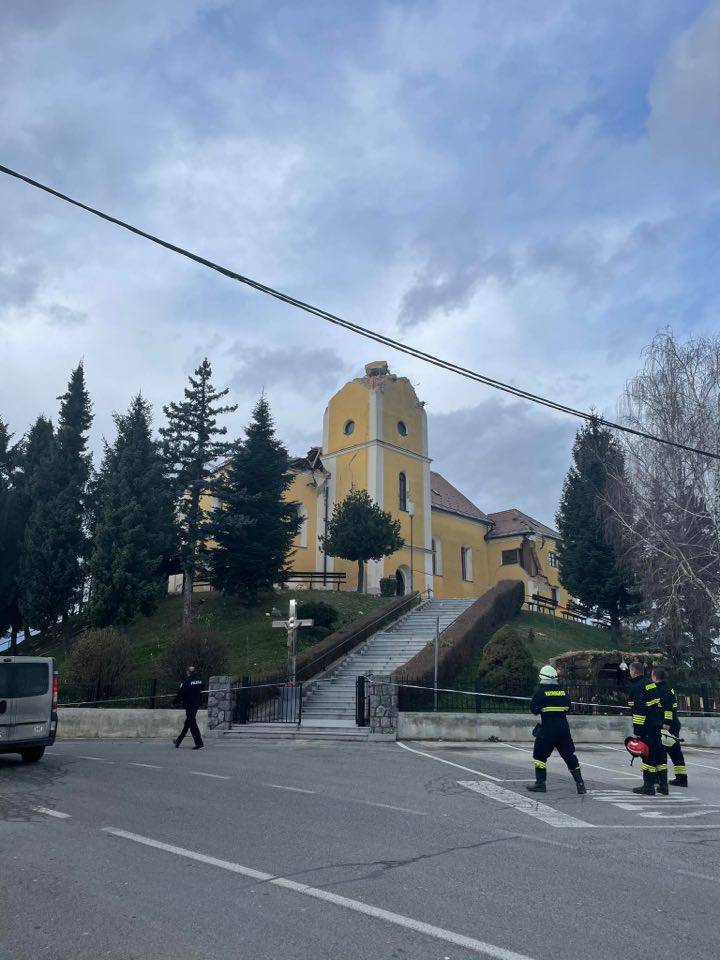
(528, 189)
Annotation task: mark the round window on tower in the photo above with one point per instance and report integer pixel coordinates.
(349, 427)
(402, 428)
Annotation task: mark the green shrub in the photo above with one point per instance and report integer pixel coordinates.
(199, 645)
(388, 586)
(322, 613)
(506, 665)
(99, 658)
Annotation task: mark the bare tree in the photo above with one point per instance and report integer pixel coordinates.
(668, 509)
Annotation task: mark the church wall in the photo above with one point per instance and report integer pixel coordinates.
(498, 571)
(455, 532)
(303, 491)
(350, 403)
(400, 404)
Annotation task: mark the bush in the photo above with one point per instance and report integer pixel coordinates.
(388, 586)
(99, 659)
(322, 613)
(506, 665)
(465, 637)
(199, 645)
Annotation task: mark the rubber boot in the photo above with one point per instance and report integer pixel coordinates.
(579, 782)
(662, 785)
(680, 780)
(539, 785)
(648, 786)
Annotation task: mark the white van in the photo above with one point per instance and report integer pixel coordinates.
(28, 706)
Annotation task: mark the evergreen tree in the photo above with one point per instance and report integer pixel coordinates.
(133, 523)
(72, 466)
(191, 449)
(255, 525)
(361, 530)
(590, 568)
(11, 531)
(42, 598)
(506, 665)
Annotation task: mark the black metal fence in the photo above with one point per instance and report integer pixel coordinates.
(152, 694)
(278, 702)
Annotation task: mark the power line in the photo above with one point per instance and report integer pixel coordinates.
(360, 330)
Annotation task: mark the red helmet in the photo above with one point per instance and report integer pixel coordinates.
(636, 747)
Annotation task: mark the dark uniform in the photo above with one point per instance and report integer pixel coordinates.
(647, 719)
(668, 702)
(552, 704)
(190, 695)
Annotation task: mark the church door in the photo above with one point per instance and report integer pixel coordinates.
(400, 581)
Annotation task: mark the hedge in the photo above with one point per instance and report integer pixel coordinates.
(465, 638)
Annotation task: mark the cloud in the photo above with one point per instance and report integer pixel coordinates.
(62, 316)
(313, 371)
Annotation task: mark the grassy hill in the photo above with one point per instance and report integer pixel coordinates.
(255, 646)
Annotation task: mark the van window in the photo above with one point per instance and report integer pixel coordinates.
(23, 680)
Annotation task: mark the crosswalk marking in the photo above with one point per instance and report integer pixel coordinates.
(533, 808)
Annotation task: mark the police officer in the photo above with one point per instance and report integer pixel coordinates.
(190, 695)
(671, 723)
(553, 732)
(647, 717)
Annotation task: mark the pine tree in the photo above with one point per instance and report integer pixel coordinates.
(191, 450)
(11, 531)
(42, 599)
(361, 530)
(590, 568)
(73, 466)
(255, 525)
(133, 523)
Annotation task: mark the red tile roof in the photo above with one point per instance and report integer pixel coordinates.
(447, 497)
(509, 522)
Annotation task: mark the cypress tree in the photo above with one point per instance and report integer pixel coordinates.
(11, 531)
(254, 525)
(191, 450)
(133, 523)
(589, 566)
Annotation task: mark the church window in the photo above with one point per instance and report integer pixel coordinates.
(553, 560)
(402, 492)
(510, 556)
(349, 427)
(553, 592)
(402, 428)
(302, 532)
(466, 562)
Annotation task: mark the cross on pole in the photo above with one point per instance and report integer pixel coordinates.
(291, 625)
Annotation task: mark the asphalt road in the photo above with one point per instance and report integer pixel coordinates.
(296, 850)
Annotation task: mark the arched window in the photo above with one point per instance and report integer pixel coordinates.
(402, 492)
(466, 562)
(302, 532)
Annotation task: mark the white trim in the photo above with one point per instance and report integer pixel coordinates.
(383, 443)
(374, 569)
(303, 531)
(427, 515)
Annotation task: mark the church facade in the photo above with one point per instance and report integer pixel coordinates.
(375, 437)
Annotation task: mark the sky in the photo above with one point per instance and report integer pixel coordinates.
(530, 190)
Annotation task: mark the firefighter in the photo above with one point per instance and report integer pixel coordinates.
(671, 723)
(553, 732)
(647, 716)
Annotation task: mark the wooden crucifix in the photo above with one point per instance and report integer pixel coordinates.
(291, 625)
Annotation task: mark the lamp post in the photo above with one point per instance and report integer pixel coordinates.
(411, 514)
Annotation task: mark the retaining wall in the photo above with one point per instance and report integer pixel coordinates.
(98, 723)
(696, 731)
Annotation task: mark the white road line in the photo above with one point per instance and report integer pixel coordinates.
(421, 753)
(583, 763)
(418, 926)
(215, 776)
(280, 786)
(385, 806)
(99, 759)
(52, 813)
(532, 808)
(707, 766)
(697, 876)
(151, 766)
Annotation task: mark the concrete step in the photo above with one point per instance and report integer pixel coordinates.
(279, 731)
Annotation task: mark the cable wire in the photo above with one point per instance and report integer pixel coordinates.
(359, 329)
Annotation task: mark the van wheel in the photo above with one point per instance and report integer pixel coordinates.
(32, 755)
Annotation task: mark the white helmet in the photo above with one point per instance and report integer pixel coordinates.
(548, 674)
(668, 739)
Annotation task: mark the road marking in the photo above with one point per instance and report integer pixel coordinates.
(280, 786)
(656, 808)
(705, 765)
(532, 808)
(698, 876)
(99, 759)
(151, 766)
(52, 813)
(450, 763)
(418, 926)
(583, 763)
(385, 806)
(215, 776)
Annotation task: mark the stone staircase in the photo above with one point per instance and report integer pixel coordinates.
(330, 702)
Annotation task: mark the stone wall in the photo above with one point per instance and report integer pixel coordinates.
(221, 703)
(382, 704)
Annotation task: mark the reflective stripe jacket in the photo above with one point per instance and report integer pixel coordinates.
(668, 702)
(644, 701)
(552, 703)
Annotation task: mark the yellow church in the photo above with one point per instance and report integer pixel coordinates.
(375, 437)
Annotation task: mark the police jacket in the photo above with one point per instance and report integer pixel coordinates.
(668, 702)
(190, 693)
(552, 703)
(644, 701)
